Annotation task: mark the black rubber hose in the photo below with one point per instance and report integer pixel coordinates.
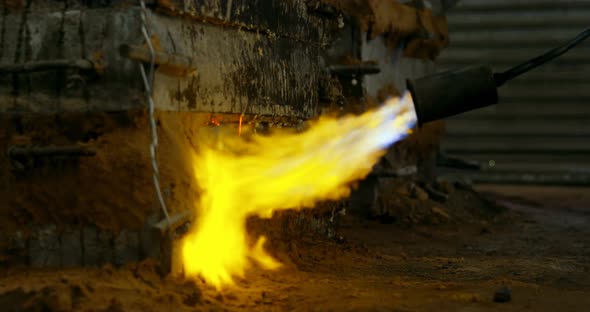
(502, 78)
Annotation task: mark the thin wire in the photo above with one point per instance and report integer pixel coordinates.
(502, 78)
(148, 81)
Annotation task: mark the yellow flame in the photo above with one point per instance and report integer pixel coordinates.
(257, 175)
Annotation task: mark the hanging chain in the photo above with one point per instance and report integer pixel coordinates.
(148, 81)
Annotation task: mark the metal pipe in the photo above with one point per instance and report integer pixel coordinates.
(15, 151)
(175, 63)
(39, 66)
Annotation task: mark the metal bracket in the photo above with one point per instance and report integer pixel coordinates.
(176, 224)
(171, 64)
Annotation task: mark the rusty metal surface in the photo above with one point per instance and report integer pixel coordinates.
(271, 67)
(31, 36)
(282, 18)
(238, 71)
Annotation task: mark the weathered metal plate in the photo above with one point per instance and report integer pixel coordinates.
(93, 34)
(238, 71)
(283, 18)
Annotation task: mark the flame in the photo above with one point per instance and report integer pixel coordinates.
(255, 176)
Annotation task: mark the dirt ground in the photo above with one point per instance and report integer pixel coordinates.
(539, 249)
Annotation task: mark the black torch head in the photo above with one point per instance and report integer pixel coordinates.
(454, 92)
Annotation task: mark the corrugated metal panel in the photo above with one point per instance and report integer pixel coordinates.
(540, 131)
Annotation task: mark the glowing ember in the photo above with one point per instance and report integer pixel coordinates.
(263, 174)
(240, 125)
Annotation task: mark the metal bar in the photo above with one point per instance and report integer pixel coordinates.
(173, 222)
(39, 151)
(179, 64)
(29, 67)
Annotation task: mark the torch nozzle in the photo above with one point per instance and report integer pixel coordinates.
(458, 91)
